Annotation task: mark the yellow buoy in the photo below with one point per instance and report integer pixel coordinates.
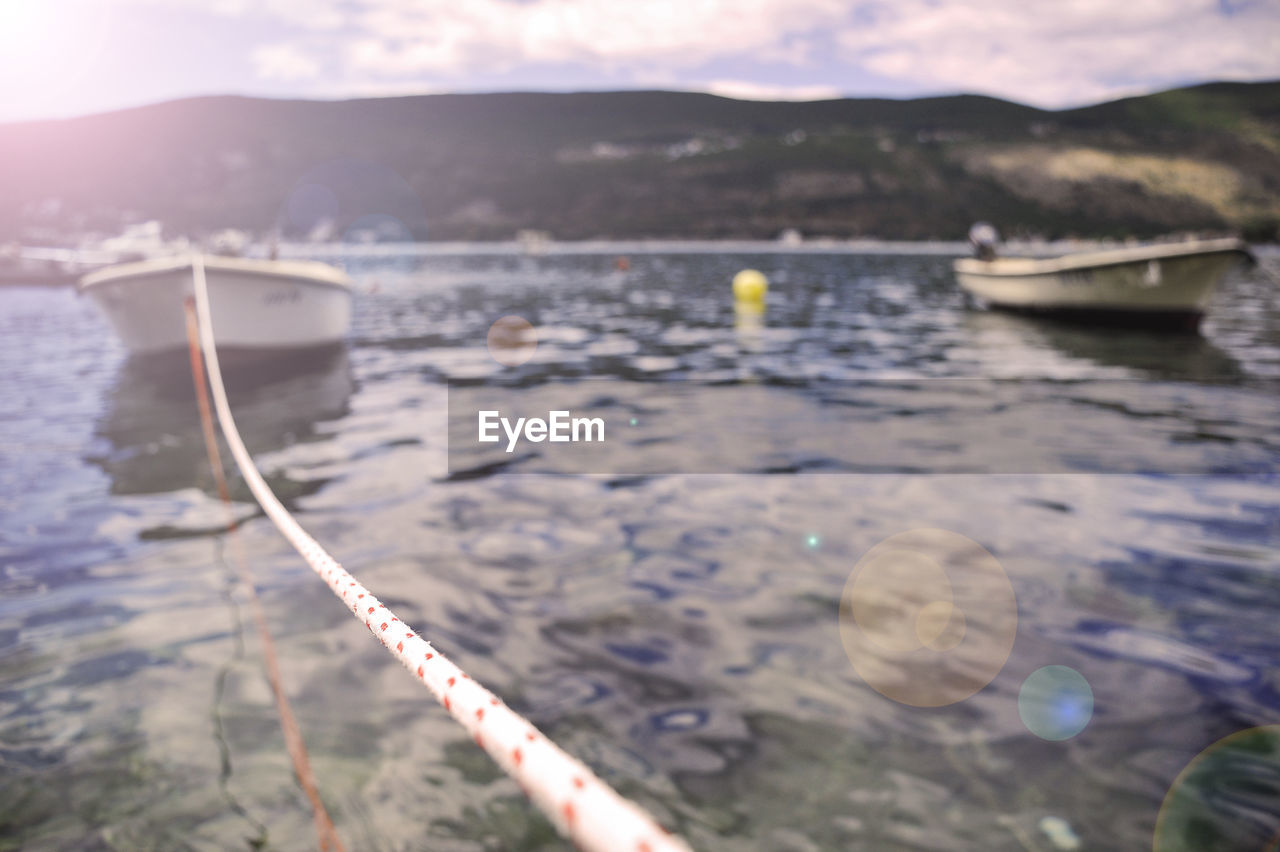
(750, 285)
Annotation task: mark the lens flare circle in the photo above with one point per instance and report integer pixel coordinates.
(512, 340)
(1055, 703)
(928, 617)
(940, 625)
(1227, 797)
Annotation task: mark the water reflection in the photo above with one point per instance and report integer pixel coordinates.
(678, 633)
(1174, 357)
(149, 439)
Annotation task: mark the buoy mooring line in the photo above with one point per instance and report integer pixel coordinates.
(581, 806)
(326, 834)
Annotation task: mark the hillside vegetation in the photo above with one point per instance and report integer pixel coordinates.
(652, 164)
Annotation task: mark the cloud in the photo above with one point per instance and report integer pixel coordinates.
(1052, 54)
(285, 61)
(1073, 52)
(443, 36)
(356, 88)
(748, 91)
(303, 14)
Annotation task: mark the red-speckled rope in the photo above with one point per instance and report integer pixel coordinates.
(579, 804)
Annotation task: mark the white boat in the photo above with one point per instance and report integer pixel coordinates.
(1164, 285)
(255, 304)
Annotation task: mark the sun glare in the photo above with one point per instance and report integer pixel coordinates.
(24, 25)
(50, 51)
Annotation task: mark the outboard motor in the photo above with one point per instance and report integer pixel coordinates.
(984, 237)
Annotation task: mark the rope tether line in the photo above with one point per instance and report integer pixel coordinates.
(580, 805)
(326, 834)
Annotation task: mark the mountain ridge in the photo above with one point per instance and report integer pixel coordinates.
(638, 164)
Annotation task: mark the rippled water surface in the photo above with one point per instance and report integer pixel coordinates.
(680, 633)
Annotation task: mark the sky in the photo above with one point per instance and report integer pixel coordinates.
(62, 58)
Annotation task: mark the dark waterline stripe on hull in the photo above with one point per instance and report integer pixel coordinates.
(1186, 321)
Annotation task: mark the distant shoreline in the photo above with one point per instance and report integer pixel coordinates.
(709, 246)
(615, 248)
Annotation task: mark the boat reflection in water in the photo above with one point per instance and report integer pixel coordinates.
(1130, 352)
(149, 438)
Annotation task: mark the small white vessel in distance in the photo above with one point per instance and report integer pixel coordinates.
(1163, 285)
(255, 304)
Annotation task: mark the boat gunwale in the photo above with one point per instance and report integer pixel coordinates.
(335, 279)
(1034, 266)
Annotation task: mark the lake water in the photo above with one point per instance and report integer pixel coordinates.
(682, 633)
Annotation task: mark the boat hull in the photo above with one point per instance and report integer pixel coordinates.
(254, 305)
(1163, 287)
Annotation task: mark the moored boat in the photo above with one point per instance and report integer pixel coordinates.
(1163, 285)
(255, 304)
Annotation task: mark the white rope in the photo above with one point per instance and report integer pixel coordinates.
(580, 805)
